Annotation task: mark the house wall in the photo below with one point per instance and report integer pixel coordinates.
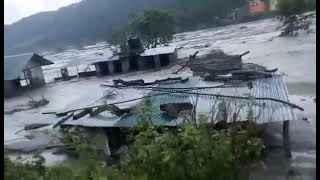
(37, 77)
(142, 63)
(146, 62)
(125, 65)
(173, 57)
(257, 6)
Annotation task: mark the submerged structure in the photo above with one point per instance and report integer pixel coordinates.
(23, 71)
(266, 99)
(149, 59)
(207, 98)
(109, 63)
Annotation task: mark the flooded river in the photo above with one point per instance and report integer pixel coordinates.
(293, 56)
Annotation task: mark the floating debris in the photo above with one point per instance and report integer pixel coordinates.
(216, 62)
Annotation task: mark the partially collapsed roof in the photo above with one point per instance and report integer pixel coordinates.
(264, 111)
(15, 64)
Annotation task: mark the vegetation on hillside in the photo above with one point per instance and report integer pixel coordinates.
(90, 20)
(291, 17)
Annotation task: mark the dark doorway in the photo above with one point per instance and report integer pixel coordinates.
(133, 63)
(149, 62)
(117, 67)
(104, 68)
(164, 60)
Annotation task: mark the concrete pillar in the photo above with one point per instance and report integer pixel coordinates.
(98, 70)
(174, 56)
(111, 67)
(37, 77)
(125, 65)
(286, 139)
(157, 61)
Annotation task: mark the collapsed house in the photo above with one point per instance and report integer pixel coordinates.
(23, 71)
(227, 96)
(270, 102)
(217, 100)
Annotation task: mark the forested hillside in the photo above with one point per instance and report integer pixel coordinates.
(90, 21)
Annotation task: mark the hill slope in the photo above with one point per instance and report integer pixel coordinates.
(90, 21)
(86, 21)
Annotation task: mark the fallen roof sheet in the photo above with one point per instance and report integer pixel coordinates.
(15, 64)
(159, 50)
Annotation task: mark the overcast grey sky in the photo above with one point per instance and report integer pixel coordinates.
(17, 9)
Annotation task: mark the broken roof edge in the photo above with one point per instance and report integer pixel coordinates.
(159, 50)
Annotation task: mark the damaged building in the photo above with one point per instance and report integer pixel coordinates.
(111, 63)
(224, 92)
(23, 71)
(149, 59)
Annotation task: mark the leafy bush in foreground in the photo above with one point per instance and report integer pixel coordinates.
(187, 152)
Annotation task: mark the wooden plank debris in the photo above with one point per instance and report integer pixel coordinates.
(216, 62)
(82, 113)
(140, 82)
(63, 120)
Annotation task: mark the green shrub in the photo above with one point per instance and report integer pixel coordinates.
(291, 17)
(187, 152)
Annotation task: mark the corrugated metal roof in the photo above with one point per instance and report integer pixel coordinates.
(159, 50)
(15, 64)
(264, 110)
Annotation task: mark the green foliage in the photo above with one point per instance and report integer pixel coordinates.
(293, 24)
(290, 7)
(311, 5)
(144, 114)
(119, 38)
(154, 27)
(172, 154)
(187, 152)
(291, 18)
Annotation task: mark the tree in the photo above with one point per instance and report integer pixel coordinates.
(292, 19)
(118, 38)
(154, 27)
